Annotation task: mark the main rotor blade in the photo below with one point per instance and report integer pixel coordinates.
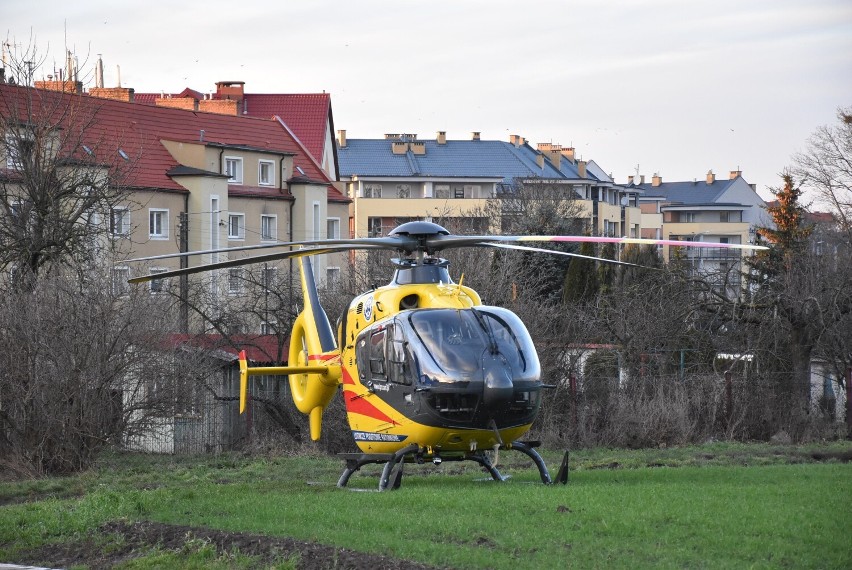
(388, 242)
(553, 251)
(440, 242)
(249, 260)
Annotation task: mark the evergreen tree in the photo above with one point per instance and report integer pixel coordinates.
(581, 280)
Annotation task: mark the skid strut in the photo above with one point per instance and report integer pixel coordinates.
(391, 477)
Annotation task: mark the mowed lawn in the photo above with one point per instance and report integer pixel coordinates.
(720, 506)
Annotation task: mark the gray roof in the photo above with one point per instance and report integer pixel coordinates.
(453, 159)
(688, 193)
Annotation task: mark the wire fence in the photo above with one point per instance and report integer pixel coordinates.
(618, 411)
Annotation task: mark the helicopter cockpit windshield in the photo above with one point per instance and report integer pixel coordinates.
(454, 341)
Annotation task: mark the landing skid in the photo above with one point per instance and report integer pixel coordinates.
(391, 477)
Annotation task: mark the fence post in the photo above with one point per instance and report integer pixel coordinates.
(849, 402)
(728, 398)
(572, 384)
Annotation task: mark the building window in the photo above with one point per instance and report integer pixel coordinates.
(157, 285)
(268, 327)
(442, 191)
(687, 217)
(234, 169)
(269, 276)
(158, 224)
(119, 222)
(266, 173)
(268, 228)
(332, 228)
(372, 191)
(18, 149)
(374, 227)
(236, 226)
(316, 221)
(120, 275)
(403, 191)
(332, 277)
(458, 192)
(235, 280)
(723, 217)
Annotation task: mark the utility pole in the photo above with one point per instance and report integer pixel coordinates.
(183, 246)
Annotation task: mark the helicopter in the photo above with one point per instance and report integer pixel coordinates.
(427, 372)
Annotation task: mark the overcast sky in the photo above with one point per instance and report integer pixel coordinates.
(675, 87)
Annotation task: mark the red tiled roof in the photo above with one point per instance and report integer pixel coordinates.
(138, 130)
(307, 114)
(259, 348)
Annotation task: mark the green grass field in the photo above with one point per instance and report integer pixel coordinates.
(716, 506)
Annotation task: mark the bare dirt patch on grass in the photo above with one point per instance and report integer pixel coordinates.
(118, 542)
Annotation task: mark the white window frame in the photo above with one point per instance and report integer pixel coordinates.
(120, 286)
(332, 277)
(240, 219)
(163, 231)
(270, 164)
(268, 327)
(372, 190)
(269, 276)
(236, 276)
(265, 233)
(13, 154)
(124, 229)
(157, 286)
(235, 177)
(332, 228)
(316, 220)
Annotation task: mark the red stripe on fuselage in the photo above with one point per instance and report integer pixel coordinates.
(356, 404)
(321, 356)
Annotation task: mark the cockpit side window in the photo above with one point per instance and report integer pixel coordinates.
(377, 355)
(399, 360)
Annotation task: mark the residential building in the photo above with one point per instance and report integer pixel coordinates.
(401, 177)
(724, 211)
(199, 181)
(308, 116)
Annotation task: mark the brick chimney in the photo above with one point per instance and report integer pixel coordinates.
(125, 94)
(711, 178)
(187, 103)
(230, 90)
(516, 140)
(220, 106)
(568, 152)
(581, 168)
(60, 85)
(656, 180)
(341, 138)
(736, 173)
(441, 137)
(474, 136)
(539, 160)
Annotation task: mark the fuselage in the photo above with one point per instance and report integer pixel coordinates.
(424, 362)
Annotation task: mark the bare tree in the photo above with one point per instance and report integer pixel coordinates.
(58, 184)
(75, 347)
(826, 168)
(77, 363)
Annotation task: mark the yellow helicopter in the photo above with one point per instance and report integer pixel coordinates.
(427, 372)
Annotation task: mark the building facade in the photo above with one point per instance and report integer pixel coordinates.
(401, 177)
